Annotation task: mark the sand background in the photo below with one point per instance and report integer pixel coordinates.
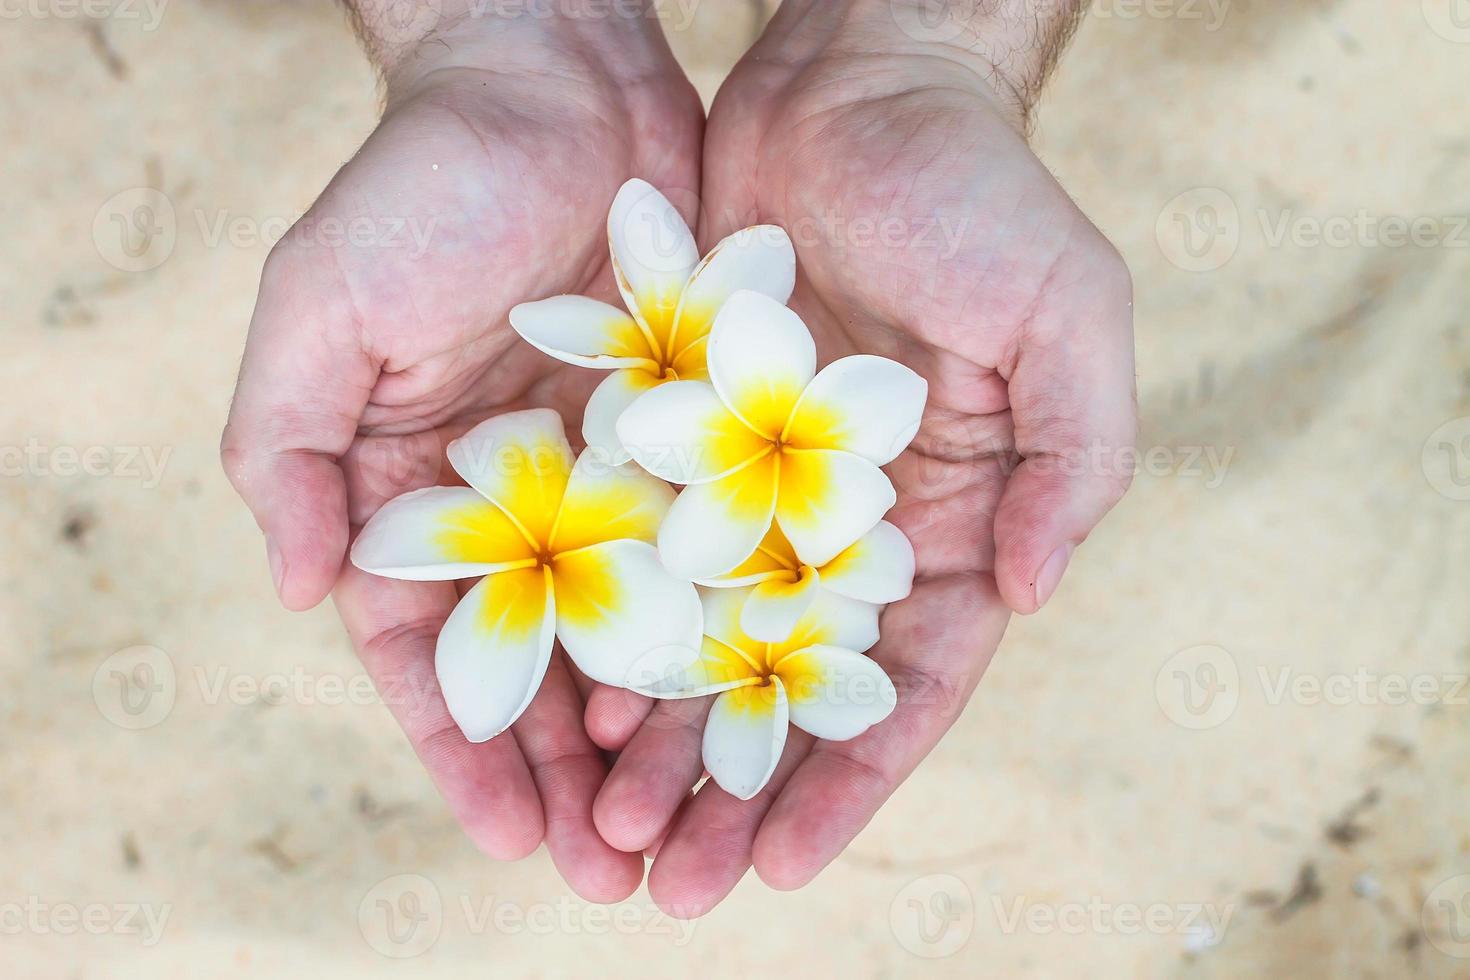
(1245, 705)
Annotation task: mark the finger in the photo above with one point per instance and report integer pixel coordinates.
(709, 849)
(653, 775)
(651, 851)
(568, 770)
(583, 684)
(394, 626)
(947, 509)
(378, 468)
(1073, 406)
(935, 661)
(614, 715)
(304, 381)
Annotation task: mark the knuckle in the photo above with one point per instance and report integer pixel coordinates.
(1116, 486)
(1096, 265)
(233, 457)
(283, 266)
(1113, 275)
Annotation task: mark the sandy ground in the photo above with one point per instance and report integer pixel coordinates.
(1233, 745)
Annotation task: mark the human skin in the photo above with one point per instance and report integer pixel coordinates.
(362, 363)
(838, 123)
(506, 138)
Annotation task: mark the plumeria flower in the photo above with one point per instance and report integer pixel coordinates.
(878, 568)
(766, 439)
(672, 295)
(566, 553)
(817, 679)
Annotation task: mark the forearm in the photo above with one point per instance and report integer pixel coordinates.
(1013, 44)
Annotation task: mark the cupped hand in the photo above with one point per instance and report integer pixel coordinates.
(380, 333)
(926, 231)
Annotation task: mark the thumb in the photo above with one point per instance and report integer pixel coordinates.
(304, 381)
(1074, 414)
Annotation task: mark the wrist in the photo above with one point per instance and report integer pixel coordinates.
(410, 40)
(1012, 45)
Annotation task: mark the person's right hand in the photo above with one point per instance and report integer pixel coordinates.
(927, 231)
(503, 142)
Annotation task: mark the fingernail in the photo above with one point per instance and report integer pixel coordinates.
(278, 565)
(1051, 572)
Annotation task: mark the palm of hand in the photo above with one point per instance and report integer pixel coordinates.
(491, 199)
(926, 231)
(398, 350)
(377, 356)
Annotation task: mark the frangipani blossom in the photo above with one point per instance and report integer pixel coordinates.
(816, 679)
(767, 439)
(878, 568)
(672, 296)
(566, 551)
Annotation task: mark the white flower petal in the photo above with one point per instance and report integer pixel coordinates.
(878, 567)
(833, 620)
(437, 534)
(682, 432)
(759, 258)
(722, 608)
(620, 615)
(653, 254)
(775, 558)
(863, 404)
(775, 605)
(744, 736)
(713, 527)
(605, 503)
(761, 357)
(717, 668)
(835, 693)
(828, 500)
(608, 402)
(583, 331)
(521, 461)
(493, 651)
(689, 364)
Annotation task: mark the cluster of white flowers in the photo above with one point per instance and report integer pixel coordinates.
(760, 582)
